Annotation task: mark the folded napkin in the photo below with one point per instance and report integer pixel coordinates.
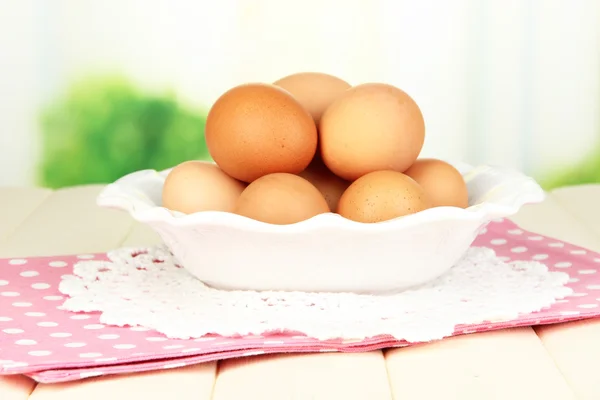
(58, 315)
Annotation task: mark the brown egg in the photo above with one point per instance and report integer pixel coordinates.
(330, 185)
(195, 186)
(371, 127)
(281, 199)
(442, 182)
(381, 196)
(314, 90)
(257, 129)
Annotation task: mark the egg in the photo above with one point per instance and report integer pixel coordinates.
(382, 196)
(371, 127)
(314, 90)
(330, 185)
(258, 129)
(195, 186)
(281, 199)
(442, 182)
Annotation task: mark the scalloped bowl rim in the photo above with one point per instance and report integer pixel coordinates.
(112, 196)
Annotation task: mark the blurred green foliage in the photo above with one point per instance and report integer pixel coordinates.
(585, 172)
(105, 128)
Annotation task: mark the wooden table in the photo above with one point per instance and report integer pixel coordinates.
(554, 362)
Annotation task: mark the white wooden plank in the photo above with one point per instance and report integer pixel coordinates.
(142, 235)
(551, 219)
(192, 382)
(508, 364)
(583, 203)
(318, 376)
(16, 204)
(573, 346)
(67, 222)
(489, 356)
(15, 387)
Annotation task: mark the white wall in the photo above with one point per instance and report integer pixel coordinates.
(497, 80)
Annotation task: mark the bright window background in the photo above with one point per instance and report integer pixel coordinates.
(509, 82)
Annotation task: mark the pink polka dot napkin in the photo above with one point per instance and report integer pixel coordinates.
(39, 339)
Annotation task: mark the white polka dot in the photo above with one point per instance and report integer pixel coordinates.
(108, 337)
(483, 231)
(190, 350)
(3, 282)
(10, 294)
(139, 329)
(573, 280)
(90, 355)
(39, 353)
(16, 365)
(124, 346)
(29, 274)
(106, 359)
(588, 306)
(593, 287)
(22, 304)
(564, 264)
(504, 258)
(519, 249)
(17, 261)
(85, 256)
(90, 374)
(5, 319)
(253, 353)
(597, 260)
(57, 264)
(26, 342)
(587, 271)
(75, 344)
(577, 295)
(47, 324)
(540, 257)
(578, 252)
(13, 331)
(60, 334)
(556, 244)
(93, 326)
(173, 346)
(515, 232)
(156, 339)
(80, 316)
(53, 298)
(40, 286)
(35, 314)
(535, 238)
(566, 313)
(498, 242)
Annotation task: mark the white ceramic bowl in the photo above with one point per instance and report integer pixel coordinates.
(327, 253)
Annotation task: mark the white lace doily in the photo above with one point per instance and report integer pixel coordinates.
(145, 287)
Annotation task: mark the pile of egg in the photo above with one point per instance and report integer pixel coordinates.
(311, 143)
